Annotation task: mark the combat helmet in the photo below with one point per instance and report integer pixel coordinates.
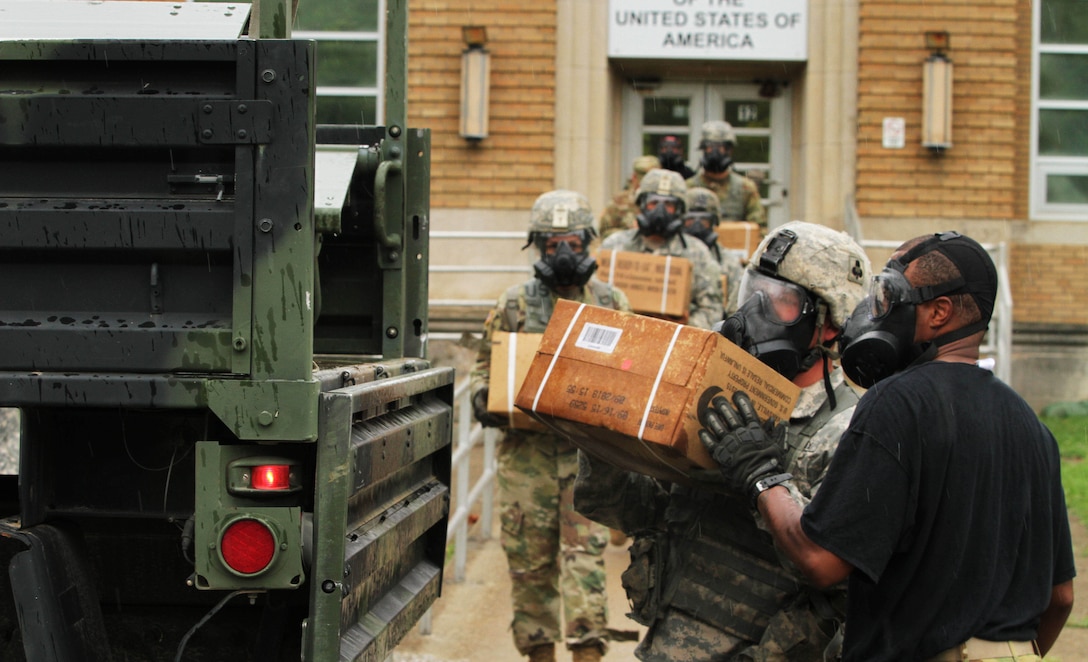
(560, 212)
(645, 164)
(799, 277)
(661, 182)
(826, 262)
(702, 214)
(718, 131)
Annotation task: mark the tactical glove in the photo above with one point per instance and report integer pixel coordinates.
(749, 455)
(479, 410)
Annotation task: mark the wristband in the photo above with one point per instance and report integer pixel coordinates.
(766, 483)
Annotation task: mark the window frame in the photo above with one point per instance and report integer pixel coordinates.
(378, 37)
(1042, 166)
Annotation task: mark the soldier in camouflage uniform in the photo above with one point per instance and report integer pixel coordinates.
(660, 197)
(554, 553)
(700, 219)
(704, 579)
(622, 212)
(738, 196)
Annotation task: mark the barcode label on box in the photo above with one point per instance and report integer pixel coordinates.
(598, 338)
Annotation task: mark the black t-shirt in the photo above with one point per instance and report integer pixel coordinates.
(945, 495)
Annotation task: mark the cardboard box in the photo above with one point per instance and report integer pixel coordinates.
(739, 235)
(511, 355)
(654, 284)
(628, 388)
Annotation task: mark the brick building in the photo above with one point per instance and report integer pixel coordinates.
(831, 110)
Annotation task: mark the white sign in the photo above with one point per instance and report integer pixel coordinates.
(709, 29)
(895, 133)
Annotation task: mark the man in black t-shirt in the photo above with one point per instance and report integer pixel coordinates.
(943, 503)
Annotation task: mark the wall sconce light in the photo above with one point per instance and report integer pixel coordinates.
(937, 94)
(475, 83)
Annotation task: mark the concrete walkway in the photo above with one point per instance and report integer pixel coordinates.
(471, 621)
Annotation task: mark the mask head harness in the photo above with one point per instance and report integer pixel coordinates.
(778, 319)
(878, 338)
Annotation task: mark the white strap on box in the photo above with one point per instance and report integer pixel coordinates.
(558, 351)
(511, 375)
(612, 268)
(657, 381)
(665, 285)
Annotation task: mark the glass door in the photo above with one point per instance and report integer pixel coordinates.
(762, 126)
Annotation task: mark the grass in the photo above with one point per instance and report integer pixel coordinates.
(1072, 435)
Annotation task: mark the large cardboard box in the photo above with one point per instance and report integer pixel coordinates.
(739, 235)
(628, 388)
(511, 355)
(654, 284)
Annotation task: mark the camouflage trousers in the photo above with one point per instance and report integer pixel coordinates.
(794, 634)
(554, 554)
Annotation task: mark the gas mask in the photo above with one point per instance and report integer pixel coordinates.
(564, 267)
(717, 157)
(701, 224)
(878, 337)
(775, 324)
(658, 219)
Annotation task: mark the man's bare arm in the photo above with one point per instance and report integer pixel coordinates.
(782, 515)
(1055, 615)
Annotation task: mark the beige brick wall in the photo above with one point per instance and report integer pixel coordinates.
(513, 165)
(1048, 284)
(984, 174)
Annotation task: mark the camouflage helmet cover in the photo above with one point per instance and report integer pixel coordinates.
(702, 199)
(718, 131)
(828, 263)
(661, 182)
(645, 164)
(561, 212)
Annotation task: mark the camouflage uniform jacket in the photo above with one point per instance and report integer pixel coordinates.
(620, 214)
(705, 309)
(738, 197)
(713, 577)
(732, 264)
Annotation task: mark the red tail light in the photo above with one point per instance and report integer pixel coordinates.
(247, 546)
(271, 477)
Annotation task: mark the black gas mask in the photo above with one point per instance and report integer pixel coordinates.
(660, 215)
(560, 265)
(670, 154)
(775, 324)
(701, 224)
(717, 156)
(878, 337)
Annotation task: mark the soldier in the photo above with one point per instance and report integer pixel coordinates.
(700, 220)
(738, 195)
(703, 578)
(622, 212)
(554, 554)
(670, 151)
(660, 199)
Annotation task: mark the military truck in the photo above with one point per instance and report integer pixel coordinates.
(213, 318)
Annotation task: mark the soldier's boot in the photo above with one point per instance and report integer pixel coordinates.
(587, 653)
(542, 653)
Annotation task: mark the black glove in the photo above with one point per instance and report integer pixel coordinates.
(746, 452)
(479, 410)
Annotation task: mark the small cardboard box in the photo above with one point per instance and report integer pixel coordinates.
(739, 235)
(628, 388)
(654, 284)
(511, 355)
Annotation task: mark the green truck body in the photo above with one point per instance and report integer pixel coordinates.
(214, 323)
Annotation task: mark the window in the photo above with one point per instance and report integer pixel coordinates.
(1060, 114)
(349, 63)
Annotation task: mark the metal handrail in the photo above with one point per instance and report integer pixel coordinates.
(466, 492)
